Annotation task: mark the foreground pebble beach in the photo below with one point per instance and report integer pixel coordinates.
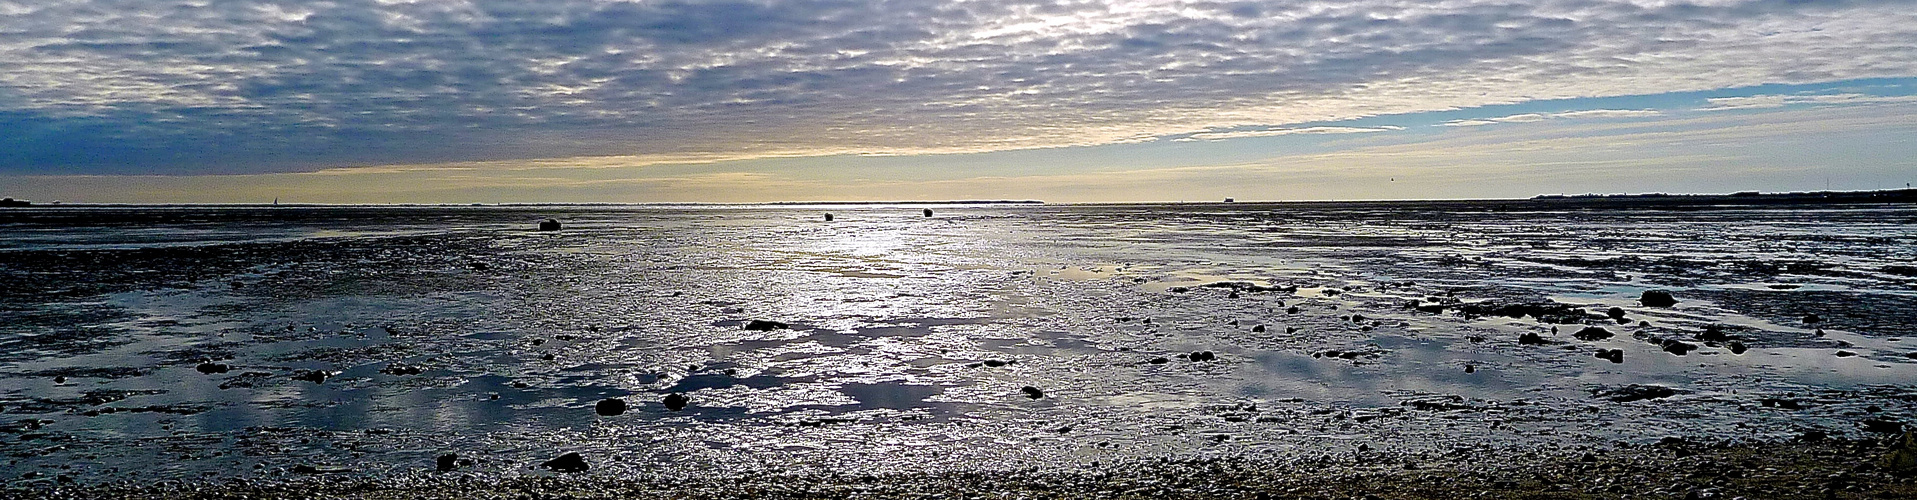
(1403, 350)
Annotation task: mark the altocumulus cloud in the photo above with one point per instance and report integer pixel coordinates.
(158, 86)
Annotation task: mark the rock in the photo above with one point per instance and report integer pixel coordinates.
(610, 407)
(1258, 329)
(1616, 313)
(828, 217)
(1713, 333)
(1291, 329)
(677, 401)
(1883, 426)
(401, 370)
(1531, 338)
(210, 368)
(1291, 310)
(314, 376)
(1737, 347)
(1203, 356)
(1635, 392)
(995, 363)
(1812, 318)
(1592, 333)
(1677, 347)
(1469, 368)
(928, 212)
(59, 379)
(1902, 459)
(1845, 354)
(1178, 289)
(569, 462)
(447, 462)
(1032, 392)
(1657, 298)
(1613, 355)
(549, 225)
(1159, 360)
(765, 326)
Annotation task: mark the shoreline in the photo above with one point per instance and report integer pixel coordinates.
(1674, 468)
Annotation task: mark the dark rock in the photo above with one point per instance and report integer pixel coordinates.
(995, 363)
(1657, 298)
(401, 370)
(1845, 354)
(1677, 347)
(1291, 310)
(1713, 333)
(1531, 338)
(1258, 329)
(1616, 313)
(1470, 368)
(570, 462)
(1592, 333)
(314, 376)
(549, 225)
(1911, 355)
(1159, 360)
(1178, 289)
(59, 379)
(1203, 356)
(212, 368)
(1813, 435)
(828, 217)
(447, 462)
(1291, 329)
(1635, 392)
(1737, 347)
(1883, 426)
(1613, 355)
(677, 401)
(765, 326)
(928, 212)
(1812, 318)
(1032, 392)
(609, 407)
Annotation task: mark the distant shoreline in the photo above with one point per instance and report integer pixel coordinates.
(1616, 200)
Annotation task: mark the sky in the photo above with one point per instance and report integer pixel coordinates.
(483, 101)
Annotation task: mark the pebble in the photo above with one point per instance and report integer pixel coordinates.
(212, 368)
(610, 407)
(765, 326)
(828, 217)
(1737, 347)
(1592, 333)
(1657, 298)
(1159, 360)
(1677, 347)
(677, 401)
(447, 462)
(1258, 329)
(1203, 356)
(1530, 338)
(1845, 354)
(1032, 392)
(569, 462)
(1614, 355)
(549, 225)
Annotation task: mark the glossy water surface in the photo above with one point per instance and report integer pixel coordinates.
(464, 330)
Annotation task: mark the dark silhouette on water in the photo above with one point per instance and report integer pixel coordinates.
(828, 217)
(10, 202)
(928, 212)
(549, 225)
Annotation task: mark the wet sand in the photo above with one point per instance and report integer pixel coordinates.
(1794, 470)
(239, 348)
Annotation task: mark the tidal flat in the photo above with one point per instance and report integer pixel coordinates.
(1026, 350)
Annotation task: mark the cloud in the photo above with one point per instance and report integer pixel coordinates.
(179, 86)
(1777, 101)
(1538, 117)
(1219, 136)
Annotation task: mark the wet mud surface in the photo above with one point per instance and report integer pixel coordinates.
(215, 344)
